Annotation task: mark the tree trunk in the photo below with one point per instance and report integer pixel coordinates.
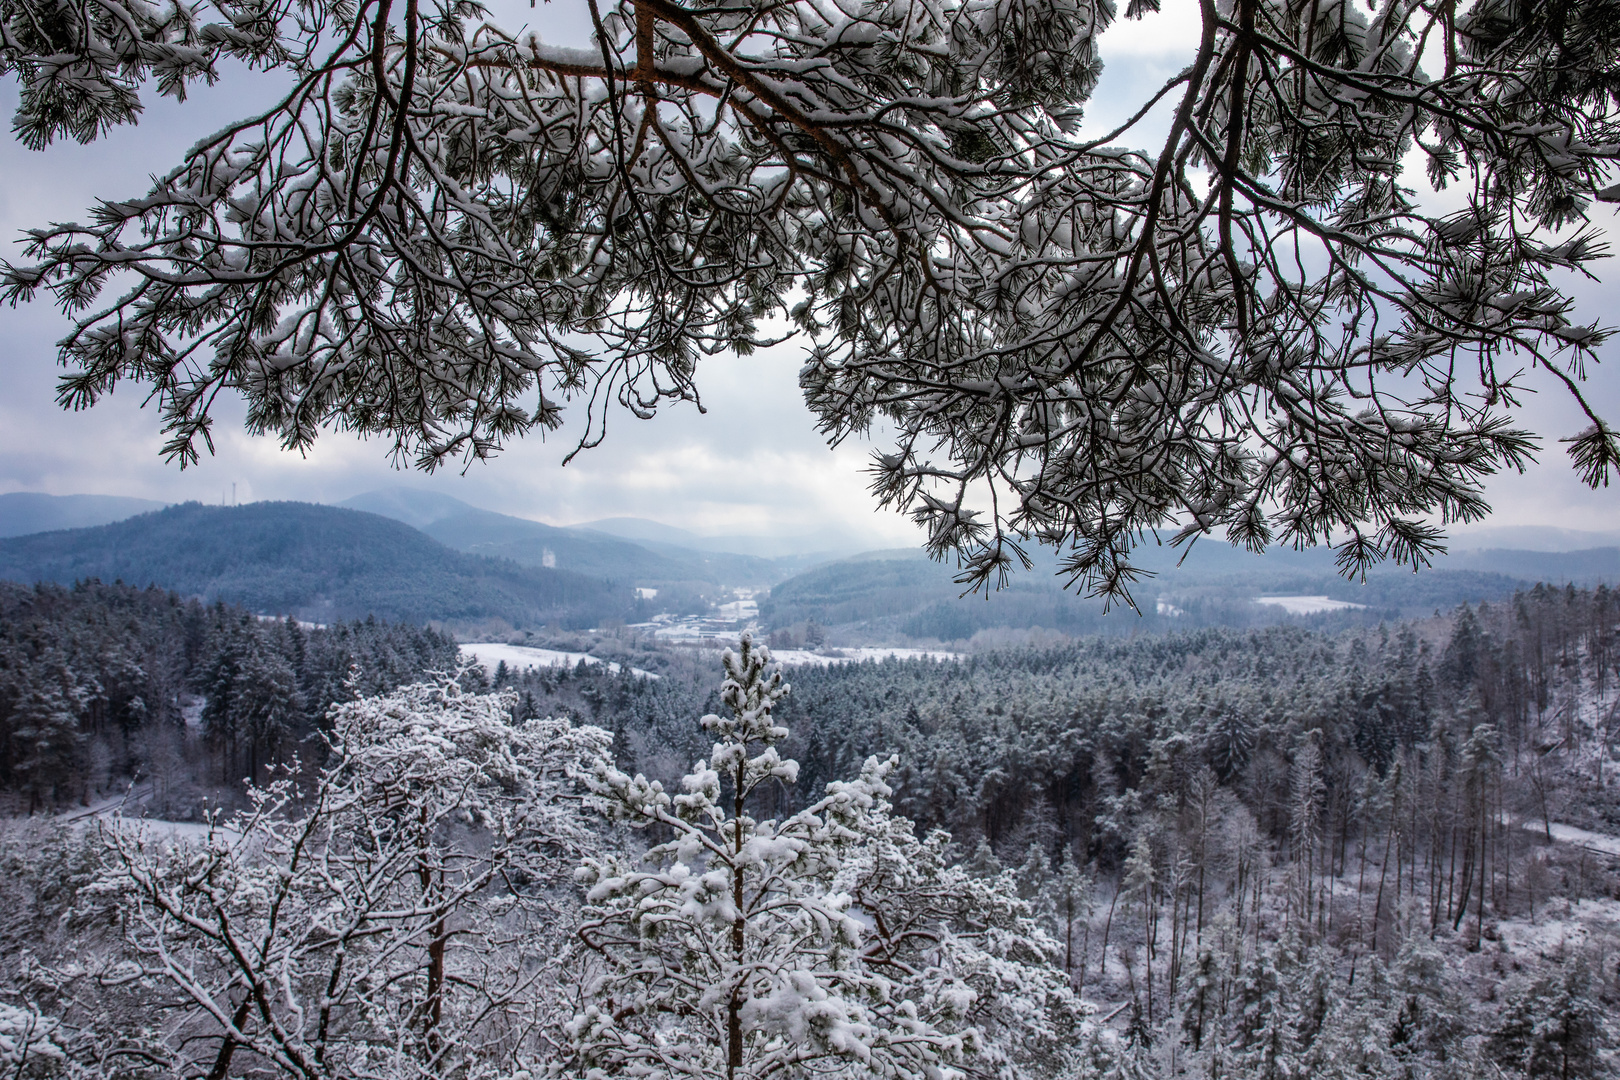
(734, 1032)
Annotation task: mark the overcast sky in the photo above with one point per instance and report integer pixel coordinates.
(753, 464)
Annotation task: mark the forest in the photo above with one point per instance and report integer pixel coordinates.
(1385, 852)
(101, 685)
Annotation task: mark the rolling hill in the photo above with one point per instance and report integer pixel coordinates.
(319, 563)
(902, 593)
(821, 545)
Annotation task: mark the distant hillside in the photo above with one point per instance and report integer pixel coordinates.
(1591, 567)
(319, 563)
(903, 593)
(24, 512)
(468, 528)
(464, 527)
(1528, 538)
(1213, 558)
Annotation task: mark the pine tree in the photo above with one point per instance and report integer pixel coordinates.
(1067, 897)
(1428, 1030)
(513, 224)
(1231, 740)
(1201, 997)
(266, 704)
(1553, 1028)
(1263, 1040)
(831, 941)
(1138, 895)
(46, 736)
(1349, 1034)
(1306, 790)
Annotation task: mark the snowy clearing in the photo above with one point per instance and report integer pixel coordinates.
(1569, 834)
(122, 812)
(518, 657)
(1306, 605)
(192, 832)
(1560, 927)
(802, 657)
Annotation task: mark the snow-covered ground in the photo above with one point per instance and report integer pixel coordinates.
(519, 657)
(1561, 927)
(123, 812)
(800, 657)
(1306, 605)
(193, 832)
(669, 627)
(1569, 834)
(739, 610)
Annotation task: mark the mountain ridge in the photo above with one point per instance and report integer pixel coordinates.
(654, 563)
(318, 563)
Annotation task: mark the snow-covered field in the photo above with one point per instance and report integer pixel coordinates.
(800, 657)
(1561, 926)
(491, 653)
(123, 812)
(1306, 605)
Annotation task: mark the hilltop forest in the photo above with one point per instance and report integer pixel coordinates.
(1263, 850)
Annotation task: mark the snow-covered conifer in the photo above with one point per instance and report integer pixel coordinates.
(1553, 1027)
(1066, 900)
(1428, 1031)
(445, 229)
(833, 942)
(1263, 1044)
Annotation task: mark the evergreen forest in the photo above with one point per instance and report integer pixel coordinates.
(1393, 851)
(102, 686)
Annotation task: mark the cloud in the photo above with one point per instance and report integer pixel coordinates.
(1171, 32)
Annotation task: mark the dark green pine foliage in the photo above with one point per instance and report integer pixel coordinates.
(95, 680)
(1551, 1028)
(45, 735)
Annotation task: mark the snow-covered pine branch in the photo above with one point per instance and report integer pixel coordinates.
(831, 942)
(1255, 328)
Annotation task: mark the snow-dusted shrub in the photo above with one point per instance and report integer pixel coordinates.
(27, 1043)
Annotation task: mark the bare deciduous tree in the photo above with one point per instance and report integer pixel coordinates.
(389, 920)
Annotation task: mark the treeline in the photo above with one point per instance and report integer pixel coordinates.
(102, 684)
(903, 595)
(1263, 854)
(1049, 742)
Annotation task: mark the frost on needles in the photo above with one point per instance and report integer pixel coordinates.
(833, 940)
(1260, 324)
